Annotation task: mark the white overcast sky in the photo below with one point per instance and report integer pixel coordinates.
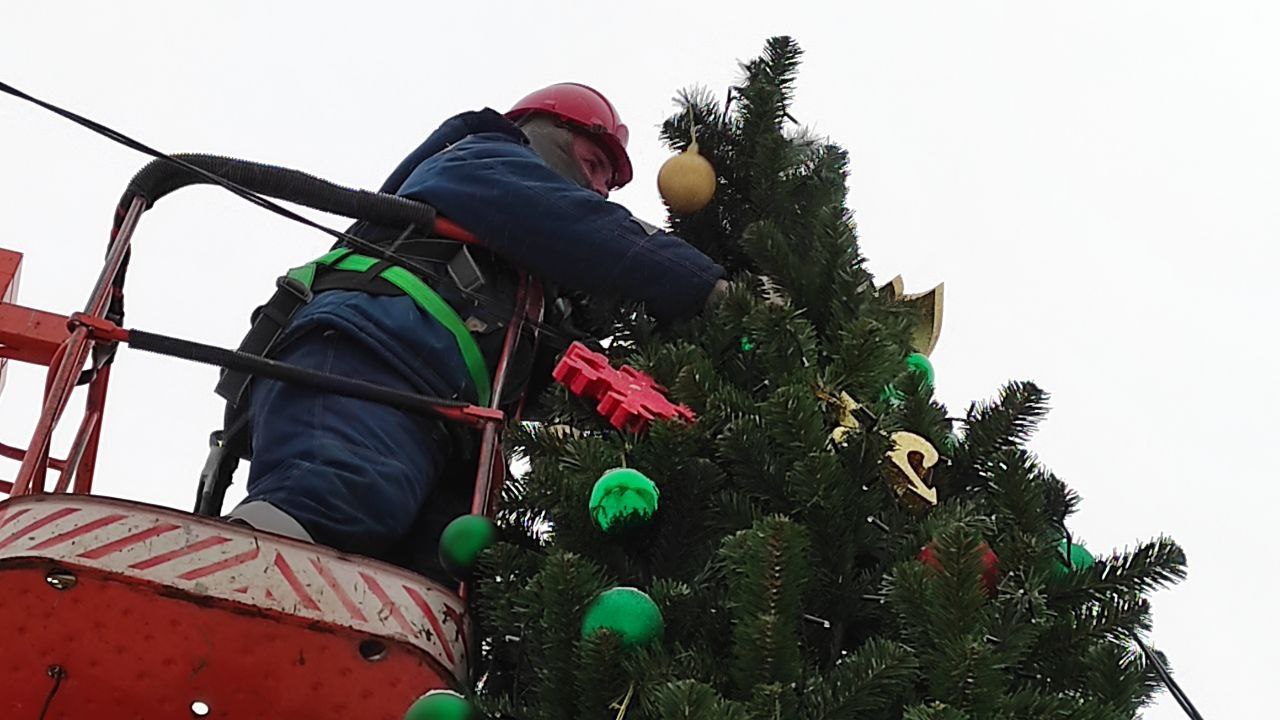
(1096, 183)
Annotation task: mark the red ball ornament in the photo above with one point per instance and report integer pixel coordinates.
(990, 564)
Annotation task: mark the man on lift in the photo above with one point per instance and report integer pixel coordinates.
(532, 185)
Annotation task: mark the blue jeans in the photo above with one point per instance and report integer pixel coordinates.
(357, 475)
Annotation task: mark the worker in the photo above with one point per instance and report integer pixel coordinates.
(532, 185)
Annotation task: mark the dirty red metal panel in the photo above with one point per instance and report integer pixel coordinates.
(30, 335)
(25, 334)
(10, 264)
(137, 651)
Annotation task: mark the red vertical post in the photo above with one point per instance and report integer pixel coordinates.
(489, 435)
(87, 425)
(95, 405)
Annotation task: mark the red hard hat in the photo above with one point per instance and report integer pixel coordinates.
(586, 109)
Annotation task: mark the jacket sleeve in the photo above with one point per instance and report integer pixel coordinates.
(503, 193)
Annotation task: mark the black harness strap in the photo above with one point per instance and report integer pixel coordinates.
(268, 321)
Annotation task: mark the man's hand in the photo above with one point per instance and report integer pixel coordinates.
(774, 296)
(718, 291)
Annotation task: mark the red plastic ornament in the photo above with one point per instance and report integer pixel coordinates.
(628, 398)
(990, 564)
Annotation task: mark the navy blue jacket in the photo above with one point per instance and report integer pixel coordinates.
(478, 170)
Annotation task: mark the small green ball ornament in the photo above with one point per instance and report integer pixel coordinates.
(462, 542)
(629, 612)
(745, 344)
(623, 499)
(440, 705)
(919, 363)
(1077, 556)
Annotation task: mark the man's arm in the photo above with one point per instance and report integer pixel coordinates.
(521, 209)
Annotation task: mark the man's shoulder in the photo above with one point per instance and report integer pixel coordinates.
(482, 122)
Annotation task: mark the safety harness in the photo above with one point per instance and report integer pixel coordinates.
(345, 269)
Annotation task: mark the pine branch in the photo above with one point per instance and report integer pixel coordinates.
(767, 569)
(934, 711)
(1006, 423)
(868, 683)
(772, 77)
(1148, 567)
(691, 700)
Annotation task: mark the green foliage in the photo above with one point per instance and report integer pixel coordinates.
(783, 564)
(766, 570)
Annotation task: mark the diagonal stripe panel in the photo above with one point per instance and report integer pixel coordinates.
(128, 541)
(224, 564)
(387, 605)
(14, 516)
(52, 517)
(161, 559)
(431, 618)
(290, 577)
(76, 532)
(347, 604)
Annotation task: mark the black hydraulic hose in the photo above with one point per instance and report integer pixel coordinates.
(162, 176)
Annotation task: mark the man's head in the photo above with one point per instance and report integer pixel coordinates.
(577, 131)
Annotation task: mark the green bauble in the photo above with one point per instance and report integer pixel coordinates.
(462, 542)
(918, 363)
(623, 499)
(626, 611)
(1077, 556)
(746, 344)
(440, 705)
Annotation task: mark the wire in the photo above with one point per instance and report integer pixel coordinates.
(1179, 696)
(484, 302)
(57, 673)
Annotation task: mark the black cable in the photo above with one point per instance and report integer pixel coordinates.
(1166, 677)
(561, 340)
(57, 673)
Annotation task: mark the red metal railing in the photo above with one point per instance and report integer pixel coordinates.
(64, 369)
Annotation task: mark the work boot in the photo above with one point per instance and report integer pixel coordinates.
(261, 515)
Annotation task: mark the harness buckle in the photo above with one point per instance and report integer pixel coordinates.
(294, 287)
(465, 272)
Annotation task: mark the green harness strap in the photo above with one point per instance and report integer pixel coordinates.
(427, 299)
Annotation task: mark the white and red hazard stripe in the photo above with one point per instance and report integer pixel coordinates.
(215, 559)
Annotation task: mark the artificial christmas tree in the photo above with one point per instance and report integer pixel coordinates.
(783, 560)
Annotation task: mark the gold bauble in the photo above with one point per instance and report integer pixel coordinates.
(687, 182)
